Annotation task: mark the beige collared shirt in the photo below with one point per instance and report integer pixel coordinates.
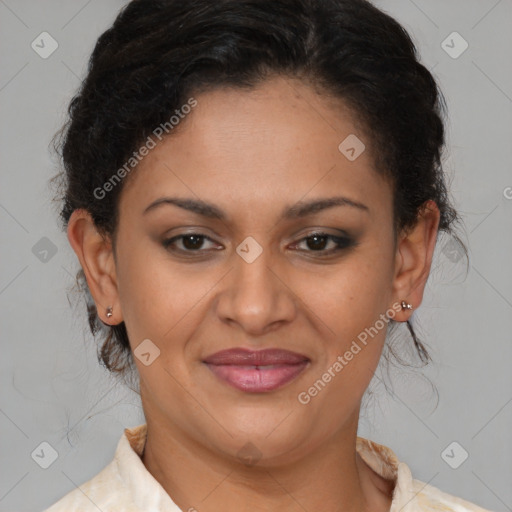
(125, 485)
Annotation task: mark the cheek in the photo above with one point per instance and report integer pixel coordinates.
(160, 300)
(351, 296)
(350, 302)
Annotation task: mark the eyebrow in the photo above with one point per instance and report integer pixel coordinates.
(298, 210)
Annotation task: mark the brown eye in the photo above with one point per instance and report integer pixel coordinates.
(190, 242)
(319, 242)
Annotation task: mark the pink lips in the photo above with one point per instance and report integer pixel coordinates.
(256, 371)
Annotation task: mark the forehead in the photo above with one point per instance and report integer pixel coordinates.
(277, 143)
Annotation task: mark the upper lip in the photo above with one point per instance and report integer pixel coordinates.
(246, 357)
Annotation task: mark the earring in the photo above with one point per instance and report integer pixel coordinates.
(109, 311)
(405, 305)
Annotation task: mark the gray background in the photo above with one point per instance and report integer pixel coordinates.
(52, 388)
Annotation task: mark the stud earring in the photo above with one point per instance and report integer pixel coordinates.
(109, 311)
(405, 305)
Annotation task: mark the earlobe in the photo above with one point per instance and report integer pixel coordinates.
(96, 257)
(415, 249)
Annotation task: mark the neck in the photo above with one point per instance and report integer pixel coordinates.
(330, 478)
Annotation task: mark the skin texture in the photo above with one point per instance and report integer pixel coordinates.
(253, 154)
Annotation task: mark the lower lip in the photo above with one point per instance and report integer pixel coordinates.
(258, 379)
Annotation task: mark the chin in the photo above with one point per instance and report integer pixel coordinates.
(265, 439)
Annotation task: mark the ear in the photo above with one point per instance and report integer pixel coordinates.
(97, 259)
(414, 258)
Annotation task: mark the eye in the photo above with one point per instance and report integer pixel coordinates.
(190, 242)
(318, 241)
(315, 242)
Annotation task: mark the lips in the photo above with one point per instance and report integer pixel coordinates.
(256, 371)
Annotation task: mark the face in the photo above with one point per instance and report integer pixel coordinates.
(257, 271)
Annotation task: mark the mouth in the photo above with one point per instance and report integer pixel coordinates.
(256, 371)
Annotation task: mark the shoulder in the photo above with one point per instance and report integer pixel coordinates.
(124, 484)
(102, 492)
(409, 494)
(431, 499)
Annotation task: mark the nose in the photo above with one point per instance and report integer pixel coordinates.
(256, 296)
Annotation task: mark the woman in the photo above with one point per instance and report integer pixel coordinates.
(254, 192)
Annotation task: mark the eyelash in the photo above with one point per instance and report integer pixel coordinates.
(340, 241)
